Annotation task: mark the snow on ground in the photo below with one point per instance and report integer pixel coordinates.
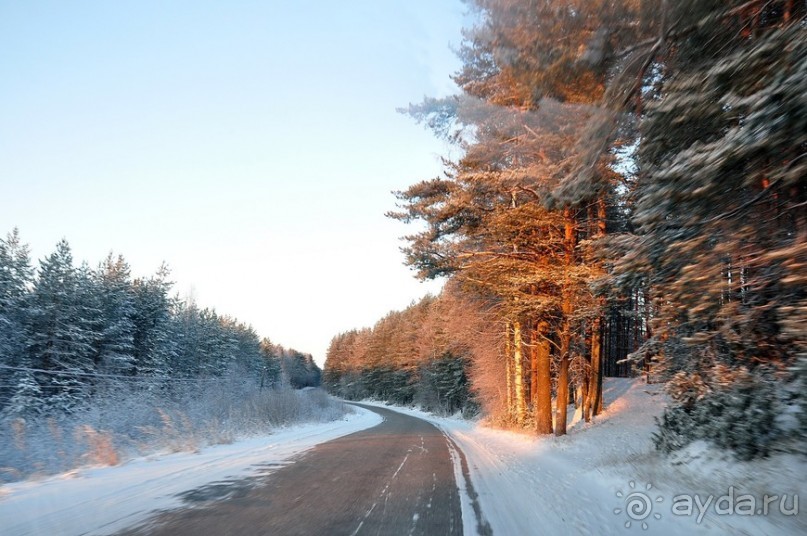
(103, 500)
(592, 481)
(595, 480)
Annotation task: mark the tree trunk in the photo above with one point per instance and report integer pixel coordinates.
(542, 396)
(566, 329)
(595, 376)
(508, 370)
(533, 349)
(595, 405)
(563, 386)
(585, 399)
(518, 371)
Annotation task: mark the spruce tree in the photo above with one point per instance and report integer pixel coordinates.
(20, 393)
(115, 347)
(60, 330)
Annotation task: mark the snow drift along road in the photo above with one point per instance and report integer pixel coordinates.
(104, 500)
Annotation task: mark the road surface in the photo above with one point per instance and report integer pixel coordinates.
(395, 478)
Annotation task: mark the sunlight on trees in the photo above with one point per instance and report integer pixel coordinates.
(630, 197)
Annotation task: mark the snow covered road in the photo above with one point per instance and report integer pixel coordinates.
(105, 500)
(394, 478)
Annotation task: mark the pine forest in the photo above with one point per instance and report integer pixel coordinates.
(629, 200)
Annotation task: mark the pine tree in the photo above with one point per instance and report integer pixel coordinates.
(491, 223)
(721, 233)
(722, 168)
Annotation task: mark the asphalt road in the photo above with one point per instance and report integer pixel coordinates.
(396, 478)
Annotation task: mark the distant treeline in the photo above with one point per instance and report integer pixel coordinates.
(418, 355)
(67, 331)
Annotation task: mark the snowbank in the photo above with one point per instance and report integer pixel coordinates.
(107, 499)
(595, 480)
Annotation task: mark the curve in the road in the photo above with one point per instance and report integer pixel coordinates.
(394, 478)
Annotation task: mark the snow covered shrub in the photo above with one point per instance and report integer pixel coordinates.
(46, 446)
(319, 407)
(176, 433)
(133, 420)
(100, 446)
(800, 389)
(733, 409)
(317, 397)
(282, 407)
(687, 389)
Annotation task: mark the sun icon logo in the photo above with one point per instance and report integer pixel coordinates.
(638, 505)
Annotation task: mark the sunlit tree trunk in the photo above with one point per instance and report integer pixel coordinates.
(542, 396)
(533, 349)
(518, 371)
(562, 400)
(595, 377)
(567, 309)
(508, 360)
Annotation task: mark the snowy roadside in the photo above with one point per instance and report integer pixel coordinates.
(595, 480)
(103, 500)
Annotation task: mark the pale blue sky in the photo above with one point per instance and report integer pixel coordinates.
(250, 145)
